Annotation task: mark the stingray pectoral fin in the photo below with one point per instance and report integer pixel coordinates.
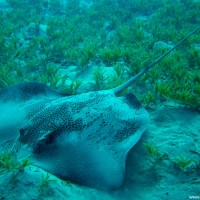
(81, 161)
(11, 119)
(96, 167)
(23, 92)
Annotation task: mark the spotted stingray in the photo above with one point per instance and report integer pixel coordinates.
(83, 138)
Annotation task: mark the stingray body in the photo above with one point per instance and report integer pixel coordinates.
(83, 138)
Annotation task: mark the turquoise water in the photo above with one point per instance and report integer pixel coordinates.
(65, 133)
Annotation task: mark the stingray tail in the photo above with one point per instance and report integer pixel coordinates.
(120, 88)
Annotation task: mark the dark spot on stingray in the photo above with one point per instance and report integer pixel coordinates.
(22, 132)
(132, 101)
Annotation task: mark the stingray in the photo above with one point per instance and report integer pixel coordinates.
(84, 138)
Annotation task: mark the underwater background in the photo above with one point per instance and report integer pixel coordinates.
(76, 46)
